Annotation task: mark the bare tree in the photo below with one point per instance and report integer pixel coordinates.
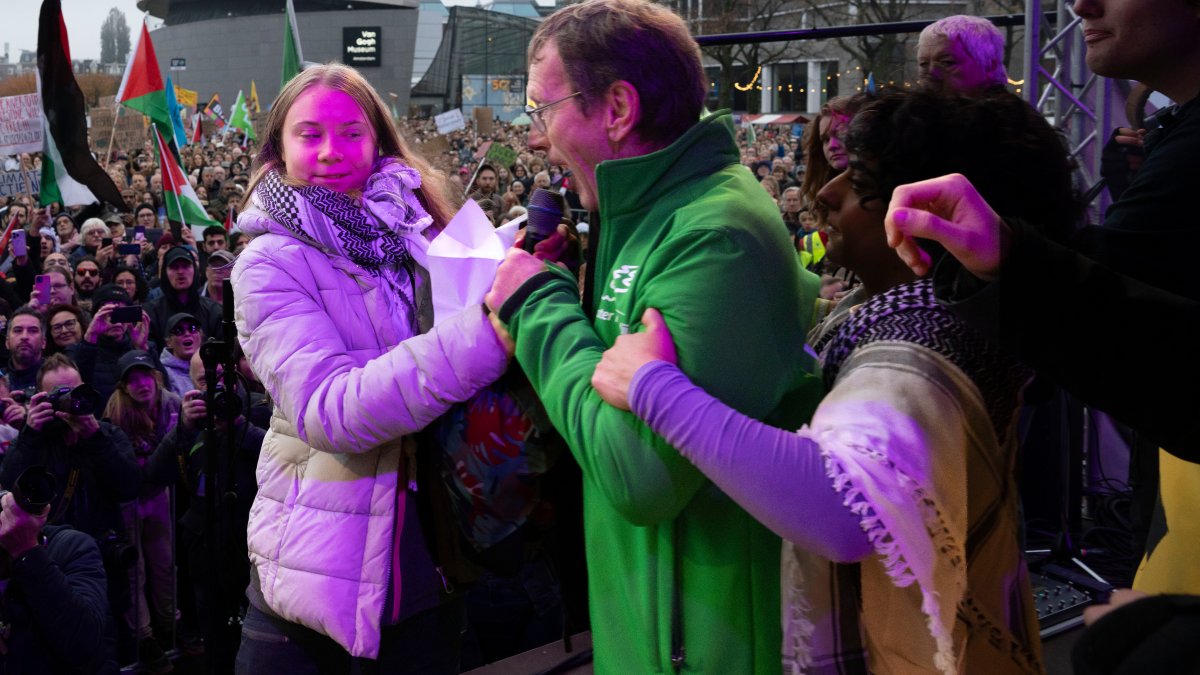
(882, 55)
(114, 37)
(741, 16)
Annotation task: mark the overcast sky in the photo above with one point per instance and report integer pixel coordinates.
(19, 24)
(19, 19)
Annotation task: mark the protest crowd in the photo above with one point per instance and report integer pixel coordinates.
(378, 486)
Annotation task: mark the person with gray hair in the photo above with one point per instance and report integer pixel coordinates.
(91, 235)
(961, 53)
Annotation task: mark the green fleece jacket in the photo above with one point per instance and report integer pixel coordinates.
(689, 231)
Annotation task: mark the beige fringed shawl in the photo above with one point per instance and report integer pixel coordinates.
(909, 445)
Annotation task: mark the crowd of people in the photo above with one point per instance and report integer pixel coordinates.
(738, 343)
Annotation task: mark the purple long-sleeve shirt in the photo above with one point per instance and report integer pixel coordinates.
(778, 476)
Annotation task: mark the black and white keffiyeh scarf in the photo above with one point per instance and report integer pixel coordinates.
(369, 231)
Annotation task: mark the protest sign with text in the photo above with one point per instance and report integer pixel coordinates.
(20, 124)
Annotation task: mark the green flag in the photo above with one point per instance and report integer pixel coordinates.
(293, 57)
(240, 117)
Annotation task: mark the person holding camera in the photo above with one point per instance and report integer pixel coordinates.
(54, 612)
(92, 461)
(12, 416)
(110, 335)
(180, 457)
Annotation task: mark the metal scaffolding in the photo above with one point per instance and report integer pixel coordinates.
(1085, 106)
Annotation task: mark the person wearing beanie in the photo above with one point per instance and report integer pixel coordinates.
(180, 293)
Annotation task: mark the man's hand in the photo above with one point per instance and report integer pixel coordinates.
(831, 286)
(194, 410)
(1119, 597)
(517, 268)
(560, 247)
(14, 413)
(83, 426)
(630, 352)
(100, 323)
(40, 411)
(950, 211)
(104, 254)
(18, 529)
(502, 334)
(1131, 137)
(139, 334)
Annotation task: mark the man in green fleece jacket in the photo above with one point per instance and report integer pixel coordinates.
(681, 578)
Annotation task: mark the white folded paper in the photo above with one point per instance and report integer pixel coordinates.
(463, 258)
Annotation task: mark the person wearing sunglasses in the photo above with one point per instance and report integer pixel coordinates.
(87, 280)
(184, 336)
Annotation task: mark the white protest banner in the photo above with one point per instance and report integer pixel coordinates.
(11, 184)
(451, 120)
(20, 124)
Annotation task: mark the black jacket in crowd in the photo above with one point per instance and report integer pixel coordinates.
(108, 474)
(160, 309)
(56, 603)
(97, 363)
(1113, 321)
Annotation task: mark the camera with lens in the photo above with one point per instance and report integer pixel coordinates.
(22, 396)
(82, 400)
(226, 403)
(34, 489)
(116, 552)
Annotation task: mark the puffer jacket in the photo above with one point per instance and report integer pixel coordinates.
(333, 347)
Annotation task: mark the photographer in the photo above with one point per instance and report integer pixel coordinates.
(107, 340)
(180, 457)
(92, 460)
(12, 417)
(55, 610)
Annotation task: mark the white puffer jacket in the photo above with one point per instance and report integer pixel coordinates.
(333, 346)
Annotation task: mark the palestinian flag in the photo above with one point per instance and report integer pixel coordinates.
(230, 219)
(142, 87)
(197, 130)
(12, 225)
(69, 173)
(182, 204)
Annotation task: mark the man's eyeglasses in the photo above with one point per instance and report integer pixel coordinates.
(186, 329)
(87, 273)
(537, 113)
(65, 326)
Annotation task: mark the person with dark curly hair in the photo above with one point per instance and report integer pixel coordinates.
(900, 492)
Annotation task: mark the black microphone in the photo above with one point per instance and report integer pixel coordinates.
(544, 214)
